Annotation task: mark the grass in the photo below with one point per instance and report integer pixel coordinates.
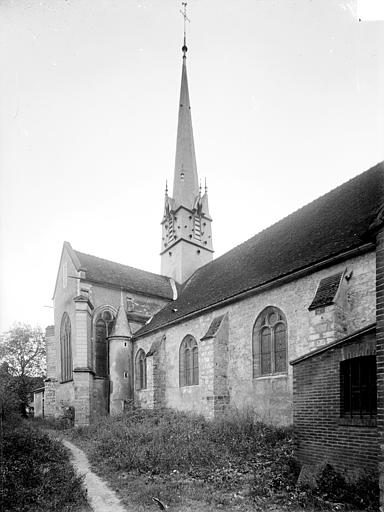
(36, 474)
(190, 463)
(186, 461)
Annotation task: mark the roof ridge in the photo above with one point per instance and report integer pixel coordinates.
(122, 264)
(267, 228)
(317, 232)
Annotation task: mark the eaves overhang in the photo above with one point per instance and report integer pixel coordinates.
(362, 249)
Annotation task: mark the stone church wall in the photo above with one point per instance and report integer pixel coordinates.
(269, 396)
(83, 353)
(102, 295)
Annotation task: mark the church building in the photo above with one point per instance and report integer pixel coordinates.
(211, 335)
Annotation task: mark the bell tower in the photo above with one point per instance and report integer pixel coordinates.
(186, 226)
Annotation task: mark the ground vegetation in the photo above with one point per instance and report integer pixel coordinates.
(36, 475)
(191, 463)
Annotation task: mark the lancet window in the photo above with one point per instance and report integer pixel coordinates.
(141, 370)
(269, 343)
(188, 362)
(66, 348)
(102, 329)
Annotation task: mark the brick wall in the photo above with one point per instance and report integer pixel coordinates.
(320, 433)
(380, 352)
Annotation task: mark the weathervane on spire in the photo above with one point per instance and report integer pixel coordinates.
(184, 14)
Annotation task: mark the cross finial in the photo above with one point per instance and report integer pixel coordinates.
(184, 14)
(166, 187)
(205, 185)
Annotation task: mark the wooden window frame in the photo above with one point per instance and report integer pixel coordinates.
(269, 319)
(189, 362)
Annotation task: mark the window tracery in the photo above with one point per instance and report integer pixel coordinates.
(188, 362)
(269, 342)
(103, 325)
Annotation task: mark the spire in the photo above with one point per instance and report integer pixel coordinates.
(185, 182)
(121, 327)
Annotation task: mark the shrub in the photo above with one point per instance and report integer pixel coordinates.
(334, 492)
(36, 473)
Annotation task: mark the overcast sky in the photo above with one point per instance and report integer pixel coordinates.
(287, 103)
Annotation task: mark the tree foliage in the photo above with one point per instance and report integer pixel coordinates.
(22, 365)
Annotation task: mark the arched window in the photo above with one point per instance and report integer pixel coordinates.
(66, 348)
(269, 342)
(189, 362)
(102, 329)
(141, 370)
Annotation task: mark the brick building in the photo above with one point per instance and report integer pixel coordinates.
(207, 335)
(335, 403)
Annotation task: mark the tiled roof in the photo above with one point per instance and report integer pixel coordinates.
(326, 291)
(129, 278)
(327, 227)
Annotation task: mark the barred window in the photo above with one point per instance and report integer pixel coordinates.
(103, 328)
(66, 348)
(141, 370)
(358, 387)
(269, 342)
(188, 362)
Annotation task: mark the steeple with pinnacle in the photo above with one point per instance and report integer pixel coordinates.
(186, 225)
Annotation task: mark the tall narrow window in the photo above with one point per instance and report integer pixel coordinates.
(269, 343)
(189, 362)
(66, 348)
(358, 387)
(102, 329)
(141, 370)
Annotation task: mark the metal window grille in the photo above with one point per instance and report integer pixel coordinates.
(358, 397)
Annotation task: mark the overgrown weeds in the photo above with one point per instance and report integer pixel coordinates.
(333, 491)
(236, 463)
(36, 474)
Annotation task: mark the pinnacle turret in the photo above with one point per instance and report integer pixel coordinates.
(121, 327)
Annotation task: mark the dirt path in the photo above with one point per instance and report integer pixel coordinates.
(101, 497)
